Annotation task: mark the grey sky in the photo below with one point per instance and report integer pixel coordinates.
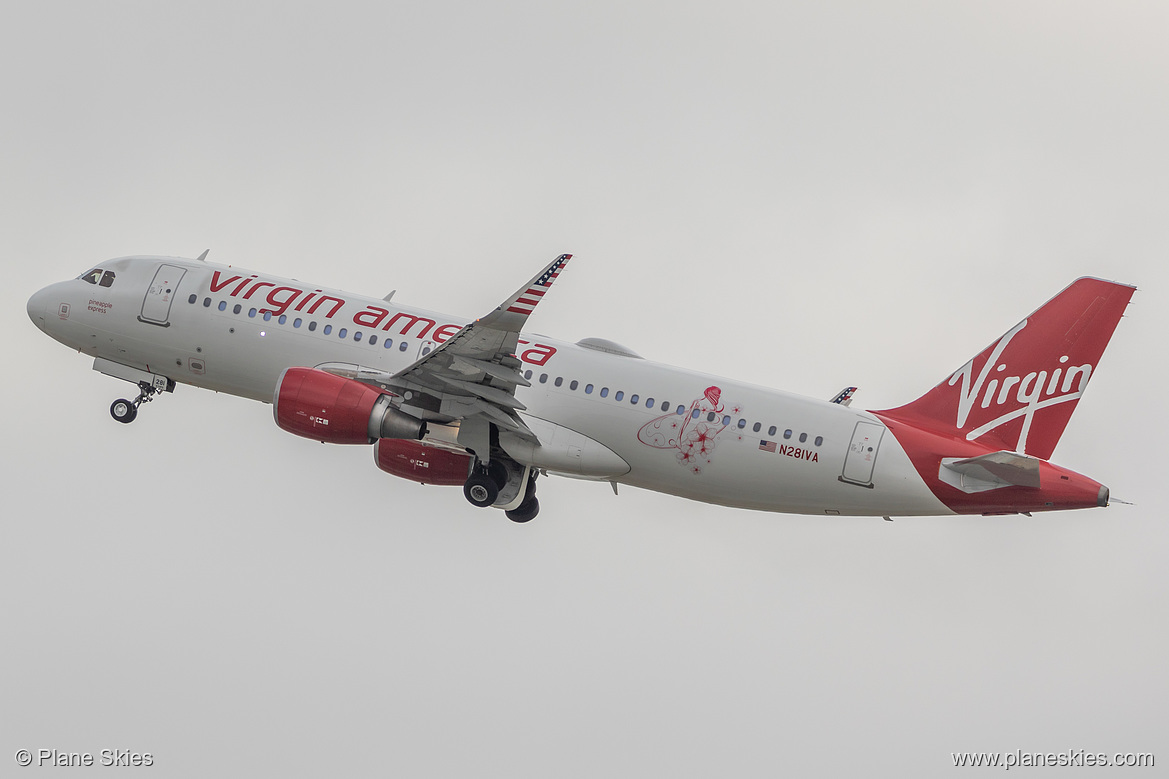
(803, 196)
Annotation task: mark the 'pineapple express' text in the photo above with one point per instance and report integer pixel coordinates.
(282, 299)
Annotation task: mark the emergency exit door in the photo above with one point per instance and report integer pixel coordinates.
(862, 454)
(160, 294)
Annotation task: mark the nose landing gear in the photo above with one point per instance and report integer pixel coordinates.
(126, 411)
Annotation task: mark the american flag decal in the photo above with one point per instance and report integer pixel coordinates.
(527, 300)
(767, 446)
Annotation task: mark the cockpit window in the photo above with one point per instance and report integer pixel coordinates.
(99, 277)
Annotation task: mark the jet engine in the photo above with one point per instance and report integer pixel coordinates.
(424, 464)
(319, 405)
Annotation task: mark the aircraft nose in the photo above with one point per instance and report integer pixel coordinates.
(36, 308)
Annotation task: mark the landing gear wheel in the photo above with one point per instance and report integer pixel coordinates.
(124, 410)
(526, 511)
(530, 507)
(480, 490)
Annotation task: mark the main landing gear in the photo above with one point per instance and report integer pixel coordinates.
(485, 482)
(526, 511)
(481, 490)
(499, 483)
(126, 411)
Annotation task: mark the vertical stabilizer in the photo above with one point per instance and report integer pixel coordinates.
(1019, 393)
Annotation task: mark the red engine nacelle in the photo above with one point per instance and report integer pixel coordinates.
(325, 407)
(424, 464)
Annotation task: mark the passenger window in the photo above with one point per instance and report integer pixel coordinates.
(328, 329)
(604, 392)
(402, 346)
(696, 413)
(755, 427)
(238, 308)
(283, 318)
(312, 325)
(528, 374)
(342, 332)
(107, 279)
(559, 381)
(681, 409)
(543, 378)
(191, 299)
(373, 340)
(267, 316)
(252, 313)
(787, 434)
(633, 399)
(296, 322)
(649, 402)
(726, 420)
(619, 394)
(711, 416)
(357, 336)
(223, 305)
(771, 430)
(742, 423)
(389, 342)
(803, 437)
(588, 389)
(206, 302)
(819, 440)
(573, 385)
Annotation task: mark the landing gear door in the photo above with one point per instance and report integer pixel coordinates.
(862, 454)
(160, 294)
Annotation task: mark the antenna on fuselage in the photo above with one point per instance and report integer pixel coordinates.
(202, 257)
(387, 297)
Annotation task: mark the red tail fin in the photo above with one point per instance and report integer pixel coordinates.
(1020, 391)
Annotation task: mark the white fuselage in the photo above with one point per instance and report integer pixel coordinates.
(734, 444)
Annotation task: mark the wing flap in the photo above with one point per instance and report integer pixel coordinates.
(486, 392)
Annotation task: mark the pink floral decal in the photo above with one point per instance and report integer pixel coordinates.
(694, 439)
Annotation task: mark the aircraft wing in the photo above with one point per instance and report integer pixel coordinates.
(471, 378)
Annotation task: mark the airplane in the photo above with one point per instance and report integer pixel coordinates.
(485, 404)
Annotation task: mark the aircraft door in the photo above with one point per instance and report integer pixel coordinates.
(862, 454)
(160, 294)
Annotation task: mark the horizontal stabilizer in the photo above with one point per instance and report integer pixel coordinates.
(990, 471)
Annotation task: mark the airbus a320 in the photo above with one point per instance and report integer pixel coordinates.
(485, 405)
